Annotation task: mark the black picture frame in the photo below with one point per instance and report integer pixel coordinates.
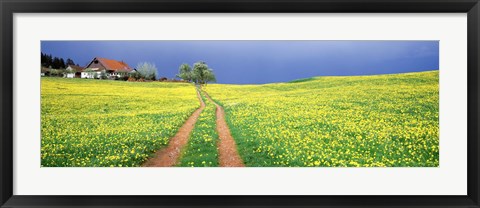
(10, 7)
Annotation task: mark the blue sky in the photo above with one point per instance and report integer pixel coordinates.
(257, 62)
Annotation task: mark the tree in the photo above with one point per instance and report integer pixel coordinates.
(43, 59)
(46, 60)
(49, 61)
(202, 74)
(56, 63)
(69, 62)
(185, 72)
(55, 72)
(52, 72)
(62, 63)
(147, 70)
(210, 76)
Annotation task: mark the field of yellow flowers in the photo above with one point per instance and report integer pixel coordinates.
(99, 123)
(354, 121)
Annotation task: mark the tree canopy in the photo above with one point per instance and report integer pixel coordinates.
(201, 74)
(185, 72)
(50, 61)
(147, 70)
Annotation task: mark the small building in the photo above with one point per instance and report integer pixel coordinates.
(107, 67)
(73, 71)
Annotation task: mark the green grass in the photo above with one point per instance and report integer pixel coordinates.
(302, 80)
(201, 150)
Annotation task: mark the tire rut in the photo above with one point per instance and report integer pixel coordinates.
(168, 156)
(227, 149)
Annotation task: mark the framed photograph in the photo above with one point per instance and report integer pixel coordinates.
(265, 103)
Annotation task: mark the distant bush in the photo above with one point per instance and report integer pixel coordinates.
(175, 80)
(147, 70)
(135, 75)
(54, 73)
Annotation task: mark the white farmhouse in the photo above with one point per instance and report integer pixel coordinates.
(111, 68)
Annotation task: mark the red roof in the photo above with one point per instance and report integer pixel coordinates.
(114, 65)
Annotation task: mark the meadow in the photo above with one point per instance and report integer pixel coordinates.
(351, 121)
(102, 123)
